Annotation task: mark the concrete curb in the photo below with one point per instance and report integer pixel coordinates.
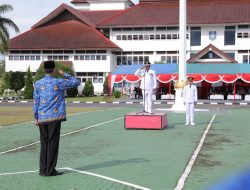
(136, 102)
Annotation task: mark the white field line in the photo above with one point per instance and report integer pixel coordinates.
(67, 116)
(187, 170)
(109, 178)
(69, 133)
(86, 173)
(15, 173)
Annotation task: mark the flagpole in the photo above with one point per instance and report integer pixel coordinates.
(178, 104)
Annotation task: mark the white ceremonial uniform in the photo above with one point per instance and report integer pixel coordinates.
(148, 84)
(189, 97)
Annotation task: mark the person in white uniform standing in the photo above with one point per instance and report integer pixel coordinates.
(190, 98)
(148, 85)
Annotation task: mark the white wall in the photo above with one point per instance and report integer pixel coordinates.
(107, 6)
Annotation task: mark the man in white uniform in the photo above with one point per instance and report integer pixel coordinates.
(190, 98)
(148, 85)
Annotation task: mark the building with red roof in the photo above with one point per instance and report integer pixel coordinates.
(99, 35)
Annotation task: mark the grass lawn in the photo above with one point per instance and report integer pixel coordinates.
(12, 115)
(93, 99)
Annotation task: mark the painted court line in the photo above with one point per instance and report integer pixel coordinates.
(86, 173)
(109, 178)
(65, 134)
(185, 174)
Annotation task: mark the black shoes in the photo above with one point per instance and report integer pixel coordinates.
(54, 173)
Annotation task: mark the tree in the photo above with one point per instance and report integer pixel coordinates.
(71, 92)
(88, 89)
(28, 91)
(6, 23)
(16, 81)
(7, 80)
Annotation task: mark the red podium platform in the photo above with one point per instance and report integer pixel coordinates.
(145, 121)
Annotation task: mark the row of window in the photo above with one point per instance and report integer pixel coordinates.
(131, 60)
(170, 59)
(25, 57)
(92, 79)
(90, 57)
(149, 37)
(144, 52)
(57, 51)
(89, 74)
(243, 35)
(160, 28)
(56, 57)
(163, 28)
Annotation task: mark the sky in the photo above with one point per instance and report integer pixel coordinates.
(26, 13)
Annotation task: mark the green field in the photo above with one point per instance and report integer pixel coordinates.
(95, 145)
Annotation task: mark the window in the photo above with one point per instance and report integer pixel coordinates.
(87, 57)
(161, 28)
(239, 35)
(130, 37)
(118, 37)
(124, 37)
(163, 36)
(32, 58)
(135, 37)
(129, 60)
(76, 57)
(22, 57)
(146, 37)
(229, 35)
(135, 60)
(98, 57)
(152, 37)
(245, 59)
(38, 57)
(11, 57)
(174, 36)
(104, 57)
(157, 36)
(82, 57)
(118, 60)
(245, 35)
(195, 36)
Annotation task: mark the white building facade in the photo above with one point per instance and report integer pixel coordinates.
(117, 32)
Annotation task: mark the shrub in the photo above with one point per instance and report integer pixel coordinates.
(88, 89)
(72, 92)
(28, 91)
(117, 94)
(105, 86)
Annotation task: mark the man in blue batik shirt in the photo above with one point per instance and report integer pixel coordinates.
(49, 111)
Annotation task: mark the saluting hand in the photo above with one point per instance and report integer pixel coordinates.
(61, 72)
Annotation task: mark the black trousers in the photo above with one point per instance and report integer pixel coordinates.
(49, 138)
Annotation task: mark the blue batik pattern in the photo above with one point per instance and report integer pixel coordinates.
(49, 98)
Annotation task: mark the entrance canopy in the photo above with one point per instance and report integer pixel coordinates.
(210, 72)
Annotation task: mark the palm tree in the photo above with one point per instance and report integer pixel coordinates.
(5, 23)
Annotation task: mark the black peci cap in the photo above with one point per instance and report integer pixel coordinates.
(50, 65)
